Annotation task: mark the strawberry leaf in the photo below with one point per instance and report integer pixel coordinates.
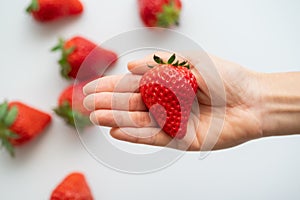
(11, 116)
(8, 116)
(11, 135)
(69, 50)
(59, 45)
(34, 6)
(3, 110)
(8, 146)
(72, 117)
(65, 67)
(150, 66)
(182, 63)
(81, 120)
(158, 60)
(176, 64)
(169, 15)
(171, 59)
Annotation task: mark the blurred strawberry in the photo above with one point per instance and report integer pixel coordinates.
(83, 59)
(162, 13)
(73, 187)
(20, 123)
(49, 10)
(70, 106)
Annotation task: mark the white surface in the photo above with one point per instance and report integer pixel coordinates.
(260, 34)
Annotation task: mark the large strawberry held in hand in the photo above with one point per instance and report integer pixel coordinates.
(20, 123)
(73, 187)
(162, 13)
(70, 106)
(49, 10)
(168, 90)
(83, 59)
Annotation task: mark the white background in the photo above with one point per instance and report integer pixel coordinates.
(260, 34)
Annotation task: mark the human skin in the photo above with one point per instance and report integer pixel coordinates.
(254, 105)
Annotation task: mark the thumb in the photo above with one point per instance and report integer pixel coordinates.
(141, 66)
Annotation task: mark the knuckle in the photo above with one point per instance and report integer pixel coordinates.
(143, 119)
(133, 101)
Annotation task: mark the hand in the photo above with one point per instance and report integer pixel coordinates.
(131, 121)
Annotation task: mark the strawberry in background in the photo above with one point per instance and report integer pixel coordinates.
(73, 187)
(82, 59)
(70, 106)
(20, 123)
(49, 10)
(160, 13)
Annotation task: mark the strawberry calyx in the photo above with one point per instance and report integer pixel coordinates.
(170, 61)
(65, 67)
(70, 116)
(34, 6)
(169, 15)
(7, 118)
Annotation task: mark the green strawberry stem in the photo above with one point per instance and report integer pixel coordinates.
(65, 67)
(11, 116)
(7, 118)
(169, 15)
(158, 60)
(72, 117)
(3, 110)
(34, 6)
(171, 60)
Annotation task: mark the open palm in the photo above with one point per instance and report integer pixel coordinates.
(225, 113)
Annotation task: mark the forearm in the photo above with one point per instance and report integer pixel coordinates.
(280, 98)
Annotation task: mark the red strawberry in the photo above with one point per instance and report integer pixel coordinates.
(70, 106)
(163, 13)
(82, 59)
(174, 87)
(48, 10)
(20, 123)
(73, 187)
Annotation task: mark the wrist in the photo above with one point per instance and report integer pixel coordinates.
(280, 103)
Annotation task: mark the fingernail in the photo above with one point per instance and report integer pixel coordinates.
(93, 118)
(130, 64)
(89, 87)
(86, 101)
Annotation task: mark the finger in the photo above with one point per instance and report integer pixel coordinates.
(114, 101)
(116, 83)
(149, 136)
(116, 118)
(141, 66)
(203, 93)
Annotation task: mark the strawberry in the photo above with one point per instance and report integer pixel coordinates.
(73, 187)
(173, 87)
(49, 10)
(70, 106)
(73, 60)
(20, 123)
(162, 13)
